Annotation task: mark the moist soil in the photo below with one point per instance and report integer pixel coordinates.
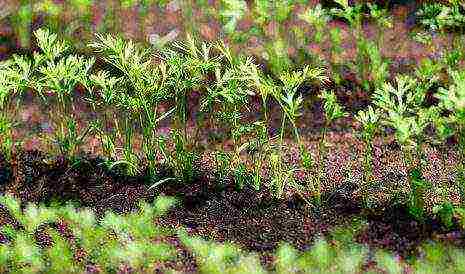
(252, 219)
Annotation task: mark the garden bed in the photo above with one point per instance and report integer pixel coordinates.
(255, 221)
(341, 154)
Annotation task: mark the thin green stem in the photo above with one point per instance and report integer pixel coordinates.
(303, 154)
(368, 162)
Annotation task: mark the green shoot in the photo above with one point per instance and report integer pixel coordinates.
(402, 110)
(147, 90)
(318, 18)
(333, 111)
(231, 93)
(369, 121)
(291, 104)
(453, 100)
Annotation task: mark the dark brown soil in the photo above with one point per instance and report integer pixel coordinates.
(36, 177)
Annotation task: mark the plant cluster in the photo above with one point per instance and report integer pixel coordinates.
(140, 89)
(440, 17)
(50, 239)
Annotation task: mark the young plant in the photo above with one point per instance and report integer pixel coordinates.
(318, 18)
(332, 111)
(371, 67)
(453, 101)
(323, 257)
(187, 70)
(286, 95)
(224, 258)
(336, 50)
(102, 96)
(222, 164)
(137, 94)
(6, 136)
(58, 76)
(231, 12)
(439, 17)
(15, 79)
(428, 72)
(382, 19)
(277, 57)
(401, 107)
(231, 95)
(291, 105)
(182, 159)
(259, 148)
(21, 20)
(369, 121)
(109, 244)
(353, 14)
(49, 73)
(369, 63)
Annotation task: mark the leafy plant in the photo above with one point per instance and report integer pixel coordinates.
(453, 100)
(259, 148)
(57, 76)
(389, 263)
(428, 72)
(137, 94)
(230, 94)
(370, 65)
(445, 212)
(221, 258)
(438, 17)
(102, 96)
(318, 18)
(353, 14)
(291, 105)
(113, 242)
(182, 160)
(222, 163)
(49, 73)
(369, 121)
(380, 15)
(15, 79)
(336, 50)
(232, 12)
(188, 66)
(21, 21)
(276, 56)
(321, 258)
(285, 93)
(382, 19)
(402, 109)
(333, 111)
